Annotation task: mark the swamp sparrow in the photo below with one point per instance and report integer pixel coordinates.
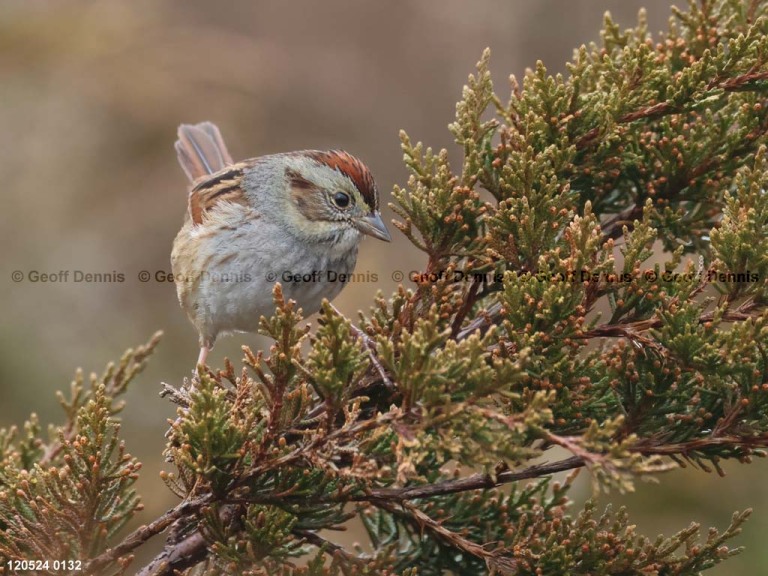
(296, 218)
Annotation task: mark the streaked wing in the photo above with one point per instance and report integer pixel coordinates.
(223, 186)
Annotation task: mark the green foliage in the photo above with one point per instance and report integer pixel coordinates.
(335, 362)
(740, 242)
(596, 279)
(65, 499)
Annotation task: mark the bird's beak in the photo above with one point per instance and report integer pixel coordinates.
(373, 225)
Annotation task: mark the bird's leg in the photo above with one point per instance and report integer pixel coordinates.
(203, 354)
(201, 359)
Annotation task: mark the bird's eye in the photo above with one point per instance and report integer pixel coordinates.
(341, 199)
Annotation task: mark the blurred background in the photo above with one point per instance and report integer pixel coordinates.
(92, 93)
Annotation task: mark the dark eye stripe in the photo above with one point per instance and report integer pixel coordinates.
(298, 181)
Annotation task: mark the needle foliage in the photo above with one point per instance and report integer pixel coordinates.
(595, 280)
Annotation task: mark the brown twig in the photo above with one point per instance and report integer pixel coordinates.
(474, 482)
(614, 227)
(144, 533)
(751, 11)
(495, 560)
(665, 108)
(631, 330)
(179, 556)
(647, 448)
(187, 552)
(466, 306)
(331, 548)
(482, 322)
(370, 348)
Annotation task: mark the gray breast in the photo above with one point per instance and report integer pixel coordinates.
(309, 280)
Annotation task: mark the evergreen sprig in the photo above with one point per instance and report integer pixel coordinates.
(595, 280)
(65, 499)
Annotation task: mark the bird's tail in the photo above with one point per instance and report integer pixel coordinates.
(201, 150)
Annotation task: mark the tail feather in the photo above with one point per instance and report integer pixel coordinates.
(201, 150)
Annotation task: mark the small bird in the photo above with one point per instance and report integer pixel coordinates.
(296, 218)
